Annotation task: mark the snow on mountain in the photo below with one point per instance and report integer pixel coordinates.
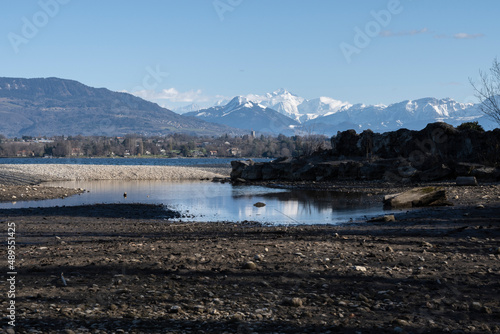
(323, 106)
(282, 101)
(296, 107)
(413, 115)
(325, 115)
(188, 108)
(246, 114)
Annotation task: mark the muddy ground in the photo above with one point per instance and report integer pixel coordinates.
(136, 269)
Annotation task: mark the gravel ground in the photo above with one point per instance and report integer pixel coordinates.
(127, 269)
(55, 172)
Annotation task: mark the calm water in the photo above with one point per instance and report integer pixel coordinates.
(127, 161)
(207, 201)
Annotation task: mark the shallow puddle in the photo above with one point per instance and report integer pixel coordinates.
(207, 201)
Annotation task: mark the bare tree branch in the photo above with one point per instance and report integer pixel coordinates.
(488, 91)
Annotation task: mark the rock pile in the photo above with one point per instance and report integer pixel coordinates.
(437, 152)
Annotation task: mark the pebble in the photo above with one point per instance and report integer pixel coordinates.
(259, 257)
(175, 309)
(477, 306)
(402, 322)
(359, 268)
(295, 302)
(426, 244)
(249, 265)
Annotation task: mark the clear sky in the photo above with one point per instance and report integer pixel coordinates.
(363, 51)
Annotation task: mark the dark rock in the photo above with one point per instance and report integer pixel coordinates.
(487, 173)
(466, 181)
(238, 167)
(439, 151)
(295, 302)
(437, 173)
(252, 172)
(349, 169)
(385, 219)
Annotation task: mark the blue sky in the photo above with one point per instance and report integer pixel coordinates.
(223, 48)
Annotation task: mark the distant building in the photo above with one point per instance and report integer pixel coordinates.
(25, 153)
(75, 152)
(213, 153)
(252, 134)
(234, 151)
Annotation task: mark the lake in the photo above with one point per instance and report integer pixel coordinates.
(208, 201)
(129, 161)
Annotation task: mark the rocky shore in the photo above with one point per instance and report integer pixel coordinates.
(136, 268)
(132, 270)
(438, 152)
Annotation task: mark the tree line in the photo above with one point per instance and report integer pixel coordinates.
(175, 145)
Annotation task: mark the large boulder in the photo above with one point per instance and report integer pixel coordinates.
(238, 166)
(439, 151)
(416, 198)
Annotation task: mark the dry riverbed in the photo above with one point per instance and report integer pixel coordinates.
(129, 269)
(136, 269)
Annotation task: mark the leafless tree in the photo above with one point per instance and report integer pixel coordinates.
(488, 91)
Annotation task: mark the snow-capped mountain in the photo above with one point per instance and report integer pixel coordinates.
(322, 106)
(249, 115)
(282, 101)
(408, 114)
(326, 115)
(188, 108)
(296, 107)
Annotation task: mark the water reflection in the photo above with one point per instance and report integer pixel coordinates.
(206, 201)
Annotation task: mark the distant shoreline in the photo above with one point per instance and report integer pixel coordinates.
(36, 173)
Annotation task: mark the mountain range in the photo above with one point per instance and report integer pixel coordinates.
(327, 116)
(248, 115)
(53, 106)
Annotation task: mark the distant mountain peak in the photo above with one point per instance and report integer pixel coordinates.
(281, 91)
(53, 106)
